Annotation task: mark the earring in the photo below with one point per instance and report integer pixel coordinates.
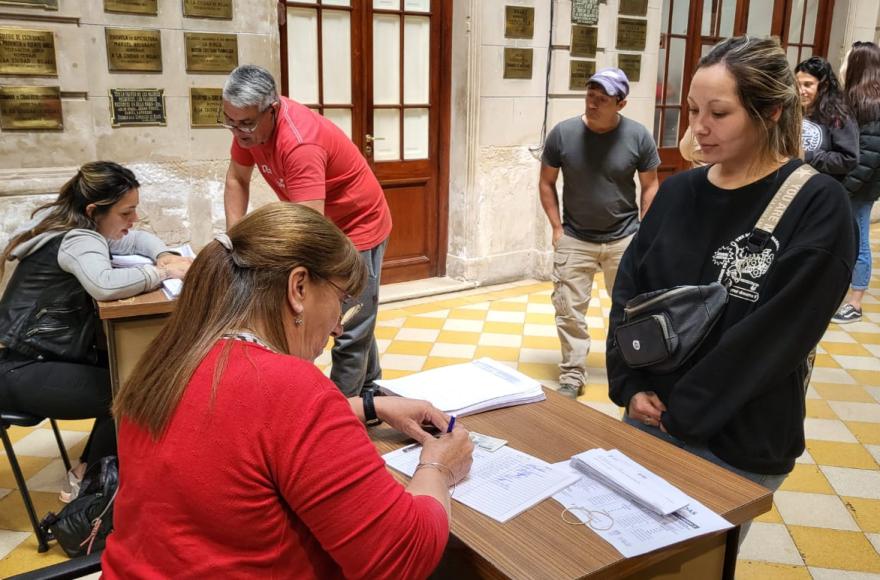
(298, 321)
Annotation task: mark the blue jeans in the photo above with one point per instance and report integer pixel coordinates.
(771, 482)
(355, 353)
(861, 277)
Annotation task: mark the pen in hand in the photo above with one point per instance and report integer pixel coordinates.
(451, 424)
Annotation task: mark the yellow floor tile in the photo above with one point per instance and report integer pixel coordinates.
(417, 309)
(771, 517)
(866, 433)
(548, 319)
(83, 425)
(598, 334)
(852, 393)
(467, 314)
(807, 478)
(503, 328)
(595, 393)
(29, 467)
(506, 353)
(16, 433)
(423, 322)
(547, 342)
(865, 337)
(596, 360)
(386, 332)
(819, 409)
(840, 454)
(752, 570)
(865, 511)
(826, 361)
(409, 347)
(870, 307)
(25, 558)
(395, 374)
(13, 516)
(434, 362)
(390, 314)
(457, 337)
(539, 299)
(847, 348)
(509, 306)
(827, 548)
(540, 371)
(869, 378)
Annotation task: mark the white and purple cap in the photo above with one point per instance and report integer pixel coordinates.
(613, 80)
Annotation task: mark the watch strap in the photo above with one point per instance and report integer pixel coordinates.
(370, 417)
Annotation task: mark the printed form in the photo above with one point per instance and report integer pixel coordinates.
(631, 528)
(501, 484)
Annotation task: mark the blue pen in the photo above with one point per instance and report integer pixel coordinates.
(451, 424)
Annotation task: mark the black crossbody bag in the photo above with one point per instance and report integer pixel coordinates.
(662, 329)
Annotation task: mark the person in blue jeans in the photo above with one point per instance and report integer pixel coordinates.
(862, 86)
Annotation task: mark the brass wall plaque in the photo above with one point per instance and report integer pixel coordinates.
(29, 108)
(584, 40)
(204, 107)
(137, 107)
(633, 7)
(632, 34)
(45, 4)
(517, 63)
(27, 52)
(208, 9)
(150, 7)
(133, 49)
(578, 73)
(585, 11)
(519, 22)
(213, 53)
(631, 64)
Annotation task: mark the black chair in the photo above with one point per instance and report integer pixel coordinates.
(9, 419)
(75, 568)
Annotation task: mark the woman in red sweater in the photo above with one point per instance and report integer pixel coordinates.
(239, 458)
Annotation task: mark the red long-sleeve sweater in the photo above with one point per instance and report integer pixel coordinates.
(273, 478)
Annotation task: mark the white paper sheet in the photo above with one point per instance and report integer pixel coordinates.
(501, 484)
(634, 529)
(170, 287)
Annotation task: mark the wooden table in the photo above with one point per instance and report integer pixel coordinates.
(538, 544)
(130, 325)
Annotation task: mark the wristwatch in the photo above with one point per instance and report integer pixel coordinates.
(371, 419)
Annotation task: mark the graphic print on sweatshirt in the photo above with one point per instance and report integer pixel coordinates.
(742, 271)
(811, 136)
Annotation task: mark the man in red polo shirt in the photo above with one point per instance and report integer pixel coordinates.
(307, 159)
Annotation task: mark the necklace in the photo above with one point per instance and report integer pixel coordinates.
(248, 336)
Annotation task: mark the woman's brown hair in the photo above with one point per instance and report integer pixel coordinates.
(234, 290)
(765, 83)
(101, 183)
(862, 81)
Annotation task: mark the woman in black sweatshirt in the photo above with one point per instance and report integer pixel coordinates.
(739, 401)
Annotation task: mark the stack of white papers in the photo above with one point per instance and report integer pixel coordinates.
(172, 286)
(618, 472)
(467, 388)
(501, 483)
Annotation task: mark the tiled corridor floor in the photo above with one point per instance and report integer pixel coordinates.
(826, 518)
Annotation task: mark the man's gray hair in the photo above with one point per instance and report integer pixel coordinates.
(250, 86)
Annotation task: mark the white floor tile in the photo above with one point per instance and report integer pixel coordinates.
(540, 330)
(770, 543)
(864, 412)
(477, 306)
(839, 376)
(540, 355)
(506, 316)
(595, 323)
(811, 392)
(875, 540)
(828, 430)
(392, 323)
(857, 363)
(462, 325)
(444, 349)
(498, 339)
(820, 350)
(814, 509)
(540, 309)
(609, 409)
(863, 325)
(325, 358)
(382, 344)
(853, 482)
(829, 574)
(52, 478)
(875, 451)
(837, 336)
(806, 458)
(597, 346)
(874, 392)
(41, 442)
(3, 493)
(873, 348)
(517, 299)
(436, 314)
(10, 540)
(417, 334)
(402, 362)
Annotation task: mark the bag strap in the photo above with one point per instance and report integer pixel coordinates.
(776, 208)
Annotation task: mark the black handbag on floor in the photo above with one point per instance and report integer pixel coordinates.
(82, 525)
(663, 328)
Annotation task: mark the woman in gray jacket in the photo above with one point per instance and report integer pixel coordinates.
(50, 362)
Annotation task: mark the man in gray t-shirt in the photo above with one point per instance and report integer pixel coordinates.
(599, 153)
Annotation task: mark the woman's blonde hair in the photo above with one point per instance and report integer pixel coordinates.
(232, 290)
(765, 84)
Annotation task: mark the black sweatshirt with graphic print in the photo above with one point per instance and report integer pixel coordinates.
(742, 392)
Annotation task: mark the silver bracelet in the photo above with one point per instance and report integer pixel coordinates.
(439, 467)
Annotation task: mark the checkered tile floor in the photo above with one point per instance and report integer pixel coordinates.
(825, 522)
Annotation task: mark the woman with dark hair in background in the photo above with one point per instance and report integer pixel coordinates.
(862, 89)
(830, 134)
(50, 364)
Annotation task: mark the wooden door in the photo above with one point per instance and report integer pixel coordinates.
(380, 70)
(690, 28)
